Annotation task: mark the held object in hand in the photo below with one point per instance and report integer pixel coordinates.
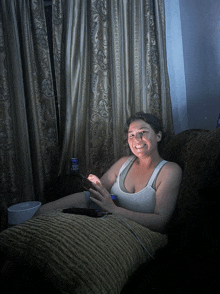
(87, 184)
(85, 211)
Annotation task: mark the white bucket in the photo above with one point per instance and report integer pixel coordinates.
(21, 212)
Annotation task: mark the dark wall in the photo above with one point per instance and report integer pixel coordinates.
(200, 22)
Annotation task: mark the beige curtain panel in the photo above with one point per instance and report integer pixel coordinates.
(29, 147)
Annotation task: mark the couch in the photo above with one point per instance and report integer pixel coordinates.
(185, 258)
(190, 260)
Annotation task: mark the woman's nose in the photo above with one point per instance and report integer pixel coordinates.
(138, 136)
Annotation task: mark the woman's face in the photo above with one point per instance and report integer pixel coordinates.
(142, 139)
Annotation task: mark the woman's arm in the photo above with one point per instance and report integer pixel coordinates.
(168, 184)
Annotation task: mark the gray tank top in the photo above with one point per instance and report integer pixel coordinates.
(142, 201)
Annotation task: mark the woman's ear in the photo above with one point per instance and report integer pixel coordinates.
(159, 136)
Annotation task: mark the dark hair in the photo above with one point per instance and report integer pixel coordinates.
(152, 120)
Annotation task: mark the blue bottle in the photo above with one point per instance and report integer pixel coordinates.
(74, 166)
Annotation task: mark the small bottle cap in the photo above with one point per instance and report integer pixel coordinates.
(114, 197)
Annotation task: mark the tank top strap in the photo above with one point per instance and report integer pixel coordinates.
(156, 172)
(127, 163)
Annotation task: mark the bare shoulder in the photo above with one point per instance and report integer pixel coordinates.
(118, 164)
(172, 166)
(122, 160)
(171, 171)
(109, 178)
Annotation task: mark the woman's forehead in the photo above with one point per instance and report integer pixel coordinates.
(139, 124)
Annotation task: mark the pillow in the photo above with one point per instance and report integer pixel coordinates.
(81, 254)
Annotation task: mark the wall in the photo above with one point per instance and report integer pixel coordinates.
(201, 46)
(193, 48)
(175, 63)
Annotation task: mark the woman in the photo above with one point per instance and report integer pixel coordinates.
(146, 185)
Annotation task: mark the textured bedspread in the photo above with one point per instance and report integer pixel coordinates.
(80, 254)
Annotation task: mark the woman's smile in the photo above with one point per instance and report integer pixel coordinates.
(140, 146)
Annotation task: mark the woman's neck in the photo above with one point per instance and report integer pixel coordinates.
(148, 161)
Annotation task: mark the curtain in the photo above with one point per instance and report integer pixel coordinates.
(29, 149)
(110, 62)
(112, 55)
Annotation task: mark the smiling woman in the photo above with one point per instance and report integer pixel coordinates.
(146, 185)
(152, 121)
(142, 139)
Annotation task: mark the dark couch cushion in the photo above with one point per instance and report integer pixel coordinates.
(198, 153)
(176, 149)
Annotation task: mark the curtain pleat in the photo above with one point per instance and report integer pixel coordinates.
(16, 169)
(29, 147)
(166, 106)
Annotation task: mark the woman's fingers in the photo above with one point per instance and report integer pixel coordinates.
(101, 197)
(100, 189)
(94, 179)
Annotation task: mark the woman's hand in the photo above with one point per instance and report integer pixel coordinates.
(101, 196)
(94, 179)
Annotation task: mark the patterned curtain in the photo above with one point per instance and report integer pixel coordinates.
(112, 58)
(28, 124)
(110, 62)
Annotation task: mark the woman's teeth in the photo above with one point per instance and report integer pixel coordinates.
(140, 146)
